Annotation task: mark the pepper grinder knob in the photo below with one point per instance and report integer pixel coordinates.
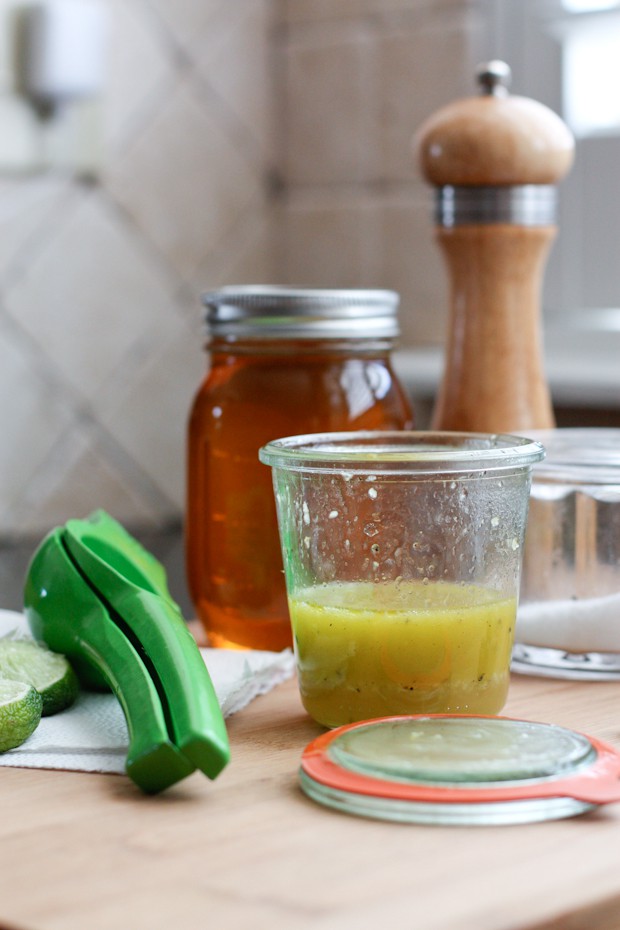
(494, 160)
(494, 138)
(494, 77)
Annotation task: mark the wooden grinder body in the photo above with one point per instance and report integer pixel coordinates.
(494, 378)
(494, 151)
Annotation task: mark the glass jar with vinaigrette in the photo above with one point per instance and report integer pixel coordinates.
(283, 361)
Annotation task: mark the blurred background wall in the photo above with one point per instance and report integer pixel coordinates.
(357, 78)
(245, 141)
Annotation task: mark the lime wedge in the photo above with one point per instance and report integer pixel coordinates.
(49, 673)
(20, 712)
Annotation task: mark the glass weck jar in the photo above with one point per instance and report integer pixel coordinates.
(283, 361)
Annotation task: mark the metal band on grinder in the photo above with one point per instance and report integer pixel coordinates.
(521, 205)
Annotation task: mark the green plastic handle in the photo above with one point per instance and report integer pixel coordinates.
(156, 627)
(95, 594)
(63, 611)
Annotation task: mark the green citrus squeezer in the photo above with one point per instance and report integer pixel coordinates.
(95, 594)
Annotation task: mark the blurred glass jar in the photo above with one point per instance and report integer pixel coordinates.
(569, 616)
(282, 361)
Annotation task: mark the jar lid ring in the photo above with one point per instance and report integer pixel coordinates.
(591, 781)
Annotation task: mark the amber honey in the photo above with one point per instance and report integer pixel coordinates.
(259, 389)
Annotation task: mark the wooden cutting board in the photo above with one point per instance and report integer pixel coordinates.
(88, 852)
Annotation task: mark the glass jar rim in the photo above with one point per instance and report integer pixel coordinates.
(580, 455)
(402, 452)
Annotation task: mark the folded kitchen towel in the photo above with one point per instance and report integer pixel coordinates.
(91, 736)
(589, 624)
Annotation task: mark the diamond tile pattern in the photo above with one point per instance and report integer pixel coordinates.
(185, 182)
(100, 341)
(358, 79)
(140, 72)
(92, 292)
(245, 141)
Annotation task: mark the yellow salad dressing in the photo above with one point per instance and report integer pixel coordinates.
(402, 647)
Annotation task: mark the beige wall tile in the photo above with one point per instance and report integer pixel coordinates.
(326, 244)
(246, 255)
(237, 64)
(300, 12)
(185, 182)
(381, 242)
(409, 261)
(78, 477)
(33, 413)
(25, 213)
(327, 111)
(148, 416)
(414, 80)
(90, 294)
(189, 21)
(139, 70)
(235, 152)
(356, 209)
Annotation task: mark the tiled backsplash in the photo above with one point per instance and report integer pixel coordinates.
(252, 140)
(100, 318)
(358, 78)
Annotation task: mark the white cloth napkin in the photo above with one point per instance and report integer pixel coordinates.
(91, 736)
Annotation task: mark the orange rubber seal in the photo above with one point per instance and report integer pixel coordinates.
(598, 783)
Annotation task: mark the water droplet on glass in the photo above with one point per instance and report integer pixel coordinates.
(494, 521)
(333, 514)
(372, 493)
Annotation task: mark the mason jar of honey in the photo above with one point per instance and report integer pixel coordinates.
(283, 361)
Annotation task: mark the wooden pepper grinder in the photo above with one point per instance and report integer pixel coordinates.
(495, 160)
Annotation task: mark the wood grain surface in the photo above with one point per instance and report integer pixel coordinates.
(493, 140)
(493, 378)
(88, 852)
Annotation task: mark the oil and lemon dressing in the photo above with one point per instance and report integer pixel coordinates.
(402, 647)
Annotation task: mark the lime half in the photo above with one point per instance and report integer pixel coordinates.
(20, 712)
(49, 673)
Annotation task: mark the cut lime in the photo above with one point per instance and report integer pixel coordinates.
(49, 673)
(20, 712)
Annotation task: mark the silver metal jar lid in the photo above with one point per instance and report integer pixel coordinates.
(520, 205)
(274, 312)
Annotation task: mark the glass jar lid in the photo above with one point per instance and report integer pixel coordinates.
(452, 769)
(582, 455)
(274, 312)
